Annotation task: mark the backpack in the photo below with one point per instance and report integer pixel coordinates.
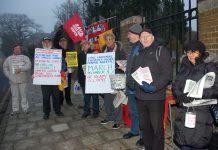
(157, 53)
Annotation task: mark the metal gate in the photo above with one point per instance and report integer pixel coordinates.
(176, 22)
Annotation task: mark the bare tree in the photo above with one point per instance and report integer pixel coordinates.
(67, 9)
(16, 28)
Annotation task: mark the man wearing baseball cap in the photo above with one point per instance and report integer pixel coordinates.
(50, 90)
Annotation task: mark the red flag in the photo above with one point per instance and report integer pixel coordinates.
(74, 28)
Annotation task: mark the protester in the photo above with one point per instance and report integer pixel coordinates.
(133, 35)
(194, 68)
(50, 90)
(81, 79)
(60, 42)
(150, 98)
(113, 114)
(17, 69)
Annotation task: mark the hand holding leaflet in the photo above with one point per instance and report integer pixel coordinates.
(148, 88)
(196, 90)
(142, 74)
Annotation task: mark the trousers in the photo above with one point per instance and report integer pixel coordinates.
(112, 113)
(151, 113)
(47, 92)
(19, 90)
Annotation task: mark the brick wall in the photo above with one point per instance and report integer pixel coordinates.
(124, 28)
(208, 24)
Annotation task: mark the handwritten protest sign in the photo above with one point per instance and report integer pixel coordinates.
(71, 58)
(98, 68)
(47, 66)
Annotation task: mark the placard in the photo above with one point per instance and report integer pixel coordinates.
(98, 68)
(71, 58)
(47, 66)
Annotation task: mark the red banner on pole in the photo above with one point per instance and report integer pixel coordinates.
(94, 30)
(74, 28)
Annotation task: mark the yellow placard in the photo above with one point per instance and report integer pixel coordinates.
(71, 59)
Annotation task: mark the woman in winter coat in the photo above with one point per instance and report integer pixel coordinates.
(194, 68)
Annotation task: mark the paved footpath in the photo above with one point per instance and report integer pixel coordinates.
(71, 132)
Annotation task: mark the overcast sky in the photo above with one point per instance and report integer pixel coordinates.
(41, 11)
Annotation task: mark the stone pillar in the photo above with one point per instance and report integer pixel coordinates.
(208, 24)
(124, 28)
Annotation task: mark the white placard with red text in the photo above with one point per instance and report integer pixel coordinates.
(47, 66)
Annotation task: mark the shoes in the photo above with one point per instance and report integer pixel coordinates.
(106, 121)
(85, 115)
(80, 107)
(116, 126)
(95, 114)
(12, 114)
(59, 114)
(26, 111)
(129, 135)
(140, 142)
(69, 103)
(45, 116)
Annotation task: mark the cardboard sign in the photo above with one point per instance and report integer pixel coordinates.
(75, 29)
(47, 66)
(99, 67)
(71, 59)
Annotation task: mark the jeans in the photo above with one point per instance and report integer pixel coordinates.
(133, 114)
(95, 103)
(87, 100)
(112, 113)
(190, 148)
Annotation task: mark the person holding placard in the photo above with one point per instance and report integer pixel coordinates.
(150, 96)
(17, 69)
(193, 130)
(113, 114)
(60, 42)
(81, 79)
(50, 90)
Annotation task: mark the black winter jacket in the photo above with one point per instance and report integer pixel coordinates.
(82, 61)
(161, 70)
(199, 136)
(119, 55)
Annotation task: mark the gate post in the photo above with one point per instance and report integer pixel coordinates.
(208, 24)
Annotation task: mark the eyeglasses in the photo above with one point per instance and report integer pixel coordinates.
(192, 52)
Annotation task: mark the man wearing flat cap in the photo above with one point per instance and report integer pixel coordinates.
(133, 35)
(150, 97)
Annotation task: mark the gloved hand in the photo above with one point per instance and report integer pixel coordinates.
(207, 93)
(184, 99)
(148, 88)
